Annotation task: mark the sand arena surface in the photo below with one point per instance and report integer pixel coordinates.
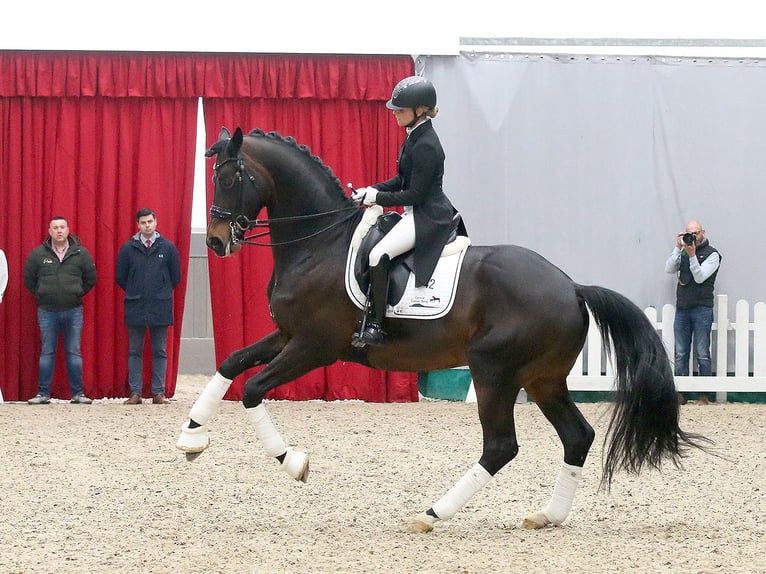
(102, 488)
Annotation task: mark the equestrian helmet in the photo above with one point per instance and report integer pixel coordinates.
(412, 92)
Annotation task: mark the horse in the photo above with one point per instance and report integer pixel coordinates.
(518, 322)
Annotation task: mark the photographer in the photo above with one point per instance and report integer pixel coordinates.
(696, 262)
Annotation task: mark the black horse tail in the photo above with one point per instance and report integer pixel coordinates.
(643, 430)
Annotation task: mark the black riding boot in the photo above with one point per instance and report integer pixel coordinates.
(373, 333)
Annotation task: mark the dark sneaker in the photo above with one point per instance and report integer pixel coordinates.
(39, 400)
(80, 399)
(159, 400)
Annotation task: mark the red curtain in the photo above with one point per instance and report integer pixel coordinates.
(183, 75)
(93, 136)
(357, 137)
(94, 161)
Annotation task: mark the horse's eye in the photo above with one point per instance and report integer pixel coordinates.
(225, 181)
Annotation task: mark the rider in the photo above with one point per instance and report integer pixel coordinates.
(428, 214)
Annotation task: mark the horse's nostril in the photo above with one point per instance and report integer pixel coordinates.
(215, 244)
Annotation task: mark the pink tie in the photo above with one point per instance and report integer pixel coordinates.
(148, 244)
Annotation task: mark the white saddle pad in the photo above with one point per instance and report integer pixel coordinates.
(430, 302)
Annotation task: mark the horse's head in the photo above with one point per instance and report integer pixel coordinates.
(265, 170)
(237, 198)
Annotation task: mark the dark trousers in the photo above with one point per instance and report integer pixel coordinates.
(136, 336)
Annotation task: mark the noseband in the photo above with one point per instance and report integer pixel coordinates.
(241, 224)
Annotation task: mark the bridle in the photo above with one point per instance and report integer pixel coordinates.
(240, 224)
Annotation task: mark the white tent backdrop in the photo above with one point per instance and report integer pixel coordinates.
(597, 162)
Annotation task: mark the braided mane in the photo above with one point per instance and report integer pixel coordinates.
(304, 149)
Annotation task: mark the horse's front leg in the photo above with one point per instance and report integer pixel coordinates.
(295, 360)
(194, 436)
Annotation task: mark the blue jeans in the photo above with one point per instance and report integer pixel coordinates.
(69, 323)
(136, 357)
(694, 323)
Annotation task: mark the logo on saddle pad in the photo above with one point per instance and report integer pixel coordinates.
(404, 299)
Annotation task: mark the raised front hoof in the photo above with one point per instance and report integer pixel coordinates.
(193, 441)
(296, 464)
(422, 523)
(536, 521)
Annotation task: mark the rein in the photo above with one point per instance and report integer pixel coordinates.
(238, 229)
(241, 224)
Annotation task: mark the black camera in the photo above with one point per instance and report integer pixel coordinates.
(688, 238)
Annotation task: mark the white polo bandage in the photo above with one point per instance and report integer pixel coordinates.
(210, 399)
(456, 497)
(563, 493)
(265, 431)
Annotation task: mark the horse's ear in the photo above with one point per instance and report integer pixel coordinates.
(220, 145)
(232, 149)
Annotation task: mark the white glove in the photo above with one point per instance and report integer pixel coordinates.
(365, 195)
(369, 197)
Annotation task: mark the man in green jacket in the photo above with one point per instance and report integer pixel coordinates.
(59, 273)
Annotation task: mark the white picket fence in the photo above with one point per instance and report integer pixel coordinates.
(745, 371)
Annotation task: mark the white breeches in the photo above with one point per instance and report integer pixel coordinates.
(397, 241)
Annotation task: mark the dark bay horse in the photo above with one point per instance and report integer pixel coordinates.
(518, 322)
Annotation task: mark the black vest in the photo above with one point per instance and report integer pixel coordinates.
(689, 293)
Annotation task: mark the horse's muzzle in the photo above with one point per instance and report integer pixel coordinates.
(217, 246)
(219, 238)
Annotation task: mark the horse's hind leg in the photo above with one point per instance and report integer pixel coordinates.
(576, 436)
(194, 436)
(496, 403)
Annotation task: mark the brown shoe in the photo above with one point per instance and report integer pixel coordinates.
(160, 400)
(133, 400)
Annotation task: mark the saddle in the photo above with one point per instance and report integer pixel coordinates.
(401, 266)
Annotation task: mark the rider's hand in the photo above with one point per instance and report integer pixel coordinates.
(369, 198)
(359, 194)
(365, 195)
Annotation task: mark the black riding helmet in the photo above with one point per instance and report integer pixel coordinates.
(412, 92)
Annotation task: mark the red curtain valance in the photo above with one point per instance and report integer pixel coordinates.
(179, 75)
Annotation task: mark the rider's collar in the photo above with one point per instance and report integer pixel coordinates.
(416, 126)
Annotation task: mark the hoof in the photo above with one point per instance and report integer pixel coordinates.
(423, 523)
(536, 521)
(296, 464)
(193, 441)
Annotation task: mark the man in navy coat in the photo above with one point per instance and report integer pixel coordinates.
(148, 270)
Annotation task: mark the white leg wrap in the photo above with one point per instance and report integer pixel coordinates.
(210, 399)
(563, 494)
(456, 497)
(295, 463)
(265, 431)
